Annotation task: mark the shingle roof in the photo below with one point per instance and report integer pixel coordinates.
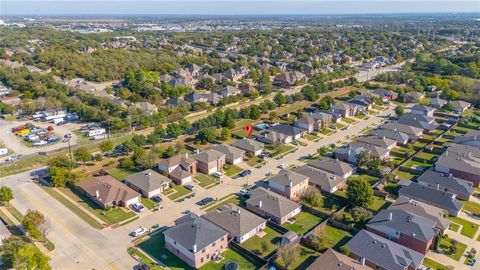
(416, 121)
(284, 177)
(234, 219)
(406, 223)
(331, 165)
(378, 141)
(383, 252)
(181, 160)
(248, 145)
(418, 117)
(471, 138)
(460, 104)
(422, 108)
(332, 260)
(208, 156)
(287, 129)
(445, 182)
(192, 229)
(272, 203)
(422, 209)
(467, 160)
(412, 132)
(357, 147)
(435, 197)
(108, 188)
(147, 180)
(229, 151)
(320, 178)
(399, 137)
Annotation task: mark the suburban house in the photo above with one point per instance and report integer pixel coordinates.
(248, 89)
(446, 182)
(462, 161)
(414, 232)
(423, 110)
(380, 253)
(333, 166)
(400, 137)
(195, 240)
(238, 222)
(195, 97)
(412, 132)
(364, 101)
(438, 198)
(289, 130)
(289, 184)
(146, 107)
(272, 137)
(460, 106)
(180, 168)
(233, 155)
(385, 95)
(472, 138)
(417, 120)
(209, 161)
(106, 191)
(437, 102)
(344, 109)
(413, 97)
(353, 149)
(249, 146)
(148, 183)
(333, 260)
(424, 210)
(270, 205)
(314, 121)
(378, 141)
(325, 181)
(230, 91)
(288, 79)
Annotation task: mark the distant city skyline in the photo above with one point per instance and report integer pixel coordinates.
(234, 7)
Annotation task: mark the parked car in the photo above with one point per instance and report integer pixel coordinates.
(139, 231)
(138, 207)
(189, 187)
(40, 143)
(283, 166)
(50, 128)
(53, 140)
(186, 212)
(218, 174)
(157, 199)
(243, 192)
(205, 201)
(245, 173)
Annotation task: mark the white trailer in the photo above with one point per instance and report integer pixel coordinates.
(3, 151)
(96, 132)
(53, 117)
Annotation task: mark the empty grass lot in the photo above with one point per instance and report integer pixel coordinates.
(180, 191)
(120, 174)
(303, 222)
(233, 199)
(305, 258)
(272, 239)
(230, 256)
(332, 237)
(155, 247)
(468, 229)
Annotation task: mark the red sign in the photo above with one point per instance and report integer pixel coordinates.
(248, 129)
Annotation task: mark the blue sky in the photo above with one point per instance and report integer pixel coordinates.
(235, 7)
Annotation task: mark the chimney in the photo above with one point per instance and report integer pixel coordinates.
(438, 185)
(186, 155)
(238, 211)
(260, 204)
(290, 183)
(97, 194)
(390, 216)
(446, 152)
(194, 248)
(362, 260)
(450, 175)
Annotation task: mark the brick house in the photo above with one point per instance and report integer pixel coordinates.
(289, 184)
(180, 168)
(209, 161)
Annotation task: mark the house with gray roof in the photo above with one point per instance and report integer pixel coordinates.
(272, 137)
(271, 205)
(417, 120)
(446, 182)
(437, 102)
(289, 184)
(180, 168)
(380, 253)
(210, 161)
(472, 138)
(438, 198)
(325, 181)
(405, 228)
(422, 209)
(195, 240)
(412, 132)
(413, 97)
(250, 146)
(238, 222)
(422, 110)
(385, 95)
(462, 161)
(230, 91)
(195, 97)
(146, 107)
(353, 149)
(289, 130)
(400, 137)
(314, 121)
(333, 260)
(460, 106)
(233, 155)
(148, 183)
(333, 166)
(383, 142)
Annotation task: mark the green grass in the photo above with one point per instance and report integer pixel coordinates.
(433, 264)
(115, 215)
(326, 131)
(155, 247)
(74, 208)
(397, 160)
(231, 170)
(120, 173)
(417, 165)
(332, 237)
(347, 218)
(339, 126)
(405, 175)
(428, 137)
(364, 177)
(181, 191)
(468, 229)
(330, 204)
(148, 203)
(311, 137)
(234, 199)
(444, 247)
(360, 116)
(205, 180)
(303, 222)
(230, 256)
(146, 260)
(281, 150)
(23, 164)
(348, 120)
(272, 238)
(471, 207)
(254, 161)
(454, 227)
(305, 258)
(425, 155)
(378, 204)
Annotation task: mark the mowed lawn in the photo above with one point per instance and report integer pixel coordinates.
(272, 239)
(155, 247)
(304, 259)
(332, 237)
(230, 256)
(468, 229)
(303, 222)
(120, 174)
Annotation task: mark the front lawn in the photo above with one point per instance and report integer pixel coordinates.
(254, 161)
(233, 199)
(468, 229)
(445, 248)
(348, 120)
(326, 131)
(180, 191)
(433, 264)
(231, 170)
(148, 203)
(303, 222)
(397, 160)
(230, 256)
(271, 239)
(281, 150)
(304, 259)
(311, 137)
(332, 237)
(471, 207)
(205, 180)
(120, 173)
(155, 247)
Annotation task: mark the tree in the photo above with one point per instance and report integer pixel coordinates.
(288, 254)
(174, 130)
(156, 136)
(106, 146)
(82, 154)
(359, 193)
(272, 116)
(32, 222)
(280, 99)
(255, 112)
(6, 195)
(207, 135)
(264, 247)
(360, 214)
(312, 197)
(127, 163)
(345, 250)
(60, 161)
(399, 111)
(18, 254)
(310, 93)
(226, 134)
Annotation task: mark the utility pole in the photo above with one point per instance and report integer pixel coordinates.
(70, 150)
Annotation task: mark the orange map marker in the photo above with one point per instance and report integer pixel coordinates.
(248, 129)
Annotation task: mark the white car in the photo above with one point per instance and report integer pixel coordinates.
(283, 166)
(218, 174)
(40, 143)
(243, 192)
(138, 207)
(139, 231)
